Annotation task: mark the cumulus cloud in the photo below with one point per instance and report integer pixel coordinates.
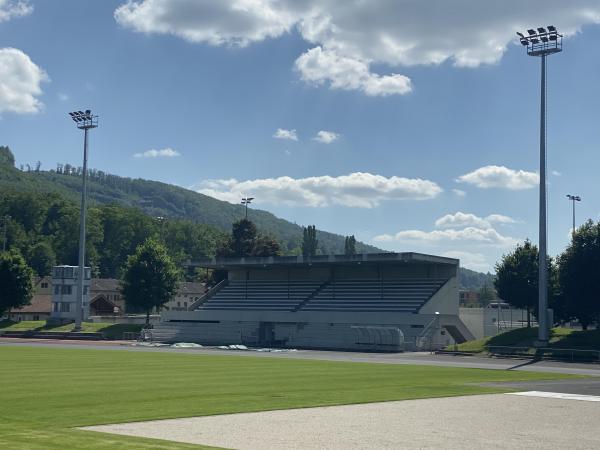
(361, 190)
(357, 35)
(459, 192)
(10, 9)
(282, 133)
(488, 236)
(163, 153)
(318, 66)
(500, 177)
(326, 137)
(216, 22)
(20, 82)
(460, 220)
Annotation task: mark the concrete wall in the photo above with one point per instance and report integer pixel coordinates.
(485, 322)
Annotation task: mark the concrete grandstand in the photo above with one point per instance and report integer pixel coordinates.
(380, 302)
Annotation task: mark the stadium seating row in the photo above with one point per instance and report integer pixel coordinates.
(359, 295)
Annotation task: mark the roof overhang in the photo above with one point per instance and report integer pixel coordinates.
(370, 259)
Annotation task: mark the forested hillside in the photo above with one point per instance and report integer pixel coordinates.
(158, 199)
(123, 213)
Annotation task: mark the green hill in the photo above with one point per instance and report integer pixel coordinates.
(159, 199)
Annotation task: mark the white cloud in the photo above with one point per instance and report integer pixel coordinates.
(357, 35)
(319, 66)
(459, 192)
(361, 190)
(20, 82)
(326, 137)
(556, 173)
(460, 220)
(163, 153)
(282, 133)
(473, 261)
(216, 22)
(473, 235)
(500, 177)
(10, 9)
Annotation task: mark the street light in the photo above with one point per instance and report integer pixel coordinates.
(542, 43)
(84, 121)
(574, 198)
(246, 202)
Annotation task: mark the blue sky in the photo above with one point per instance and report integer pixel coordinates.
(372, 111)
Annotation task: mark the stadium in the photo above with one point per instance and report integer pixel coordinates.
(366, 302)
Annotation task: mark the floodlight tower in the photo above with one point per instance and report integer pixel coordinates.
(246, 202)
(574, 198)
(84, 121)
(542, 43)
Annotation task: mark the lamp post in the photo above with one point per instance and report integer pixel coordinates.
(542, 42)
(5, 220)
(246, 202)
(84, 121)
(574, 198)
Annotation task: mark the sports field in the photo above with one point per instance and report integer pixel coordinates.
(46, 392)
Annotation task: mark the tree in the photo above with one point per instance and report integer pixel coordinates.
(309, 241)
(350, 245)
(517, 278)
(6, 157)
(16, 281)
(42, 258)
(266, 246)
(243, 238)
(150, 279)
(579, 274)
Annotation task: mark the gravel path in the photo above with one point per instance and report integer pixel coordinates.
(470, 422)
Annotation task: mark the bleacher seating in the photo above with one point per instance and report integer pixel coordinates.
(399, 295)
(275, 295)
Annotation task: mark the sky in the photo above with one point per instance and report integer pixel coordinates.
(412, 124)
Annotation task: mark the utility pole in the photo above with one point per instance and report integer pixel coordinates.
(84, 121)
(542, 43)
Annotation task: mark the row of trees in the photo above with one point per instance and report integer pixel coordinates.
(44, 229)
(574, 278)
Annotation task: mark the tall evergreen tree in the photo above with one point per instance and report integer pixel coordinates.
(243, 238)
(309, 241)
(350, 245)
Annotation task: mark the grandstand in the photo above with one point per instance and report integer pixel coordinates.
(382, 302)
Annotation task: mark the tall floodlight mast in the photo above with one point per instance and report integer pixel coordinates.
(542, 42)
(574, 198)
(246, 202)
(84, 121)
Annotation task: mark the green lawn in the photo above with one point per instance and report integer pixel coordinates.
(45, 392)
(109, 330)
(525, 337)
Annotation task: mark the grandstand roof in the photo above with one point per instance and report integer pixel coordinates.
(322, 260)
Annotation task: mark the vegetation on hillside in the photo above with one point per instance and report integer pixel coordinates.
(159, 200)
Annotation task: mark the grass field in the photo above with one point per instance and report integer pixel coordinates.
(109, 330)
(45, 392)
(525, 337)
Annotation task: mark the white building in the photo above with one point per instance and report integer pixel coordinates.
(64, 292)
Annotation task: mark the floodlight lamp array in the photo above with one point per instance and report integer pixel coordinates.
(542, 41)
(575, 198)
(247, 201)
(84, 119)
